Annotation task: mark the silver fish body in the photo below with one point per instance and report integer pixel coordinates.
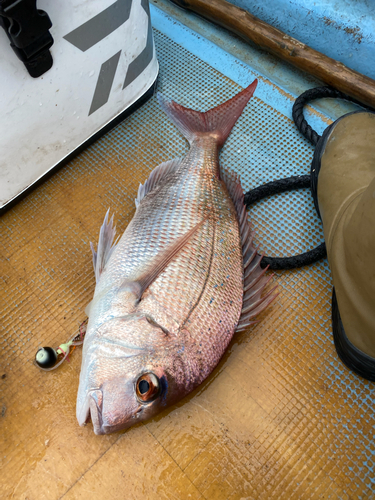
(170, 293)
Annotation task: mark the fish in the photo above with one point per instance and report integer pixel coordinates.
(182, 279)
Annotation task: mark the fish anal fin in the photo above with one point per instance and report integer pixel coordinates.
(105, 246)
(156, 175)
(258, 307)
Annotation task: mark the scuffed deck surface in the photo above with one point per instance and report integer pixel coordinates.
(280, 418)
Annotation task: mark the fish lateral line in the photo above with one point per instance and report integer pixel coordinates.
(187, 320)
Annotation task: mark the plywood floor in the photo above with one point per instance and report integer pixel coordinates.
(280, 418)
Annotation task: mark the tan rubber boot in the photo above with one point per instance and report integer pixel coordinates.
(344, 167)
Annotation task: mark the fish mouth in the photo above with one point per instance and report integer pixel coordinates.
(92, 411)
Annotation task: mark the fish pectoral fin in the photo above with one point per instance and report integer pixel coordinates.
(105, 246)
(156, 175)
(162, 260)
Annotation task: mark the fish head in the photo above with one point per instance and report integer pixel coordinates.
(128, 374)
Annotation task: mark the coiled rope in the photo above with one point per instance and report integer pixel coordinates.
(297, 181)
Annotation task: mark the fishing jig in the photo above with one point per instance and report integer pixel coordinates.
(48, 358)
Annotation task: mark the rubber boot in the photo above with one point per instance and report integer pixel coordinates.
(343, 180)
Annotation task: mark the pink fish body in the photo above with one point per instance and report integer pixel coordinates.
(181, 280)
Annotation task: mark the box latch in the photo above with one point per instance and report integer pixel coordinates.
(28, 31)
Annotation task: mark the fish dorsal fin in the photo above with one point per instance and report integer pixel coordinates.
(105, 246)
(156, 175)
(138, 284)
(255, 280)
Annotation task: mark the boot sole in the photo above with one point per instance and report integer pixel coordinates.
(350, 355)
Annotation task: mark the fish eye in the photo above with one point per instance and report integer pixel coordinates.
(147, 387)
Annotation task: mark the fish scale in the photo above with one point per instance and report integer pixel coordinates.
(170, 294)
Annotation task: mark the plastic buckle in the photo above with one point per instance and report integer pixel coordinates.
(28, 31)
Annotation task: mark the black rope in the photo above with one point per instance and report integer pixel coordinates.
(311, 95)
(276, 187)
(297, 181)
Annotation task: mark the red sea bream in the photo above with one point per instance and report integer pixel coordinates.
(173, 290)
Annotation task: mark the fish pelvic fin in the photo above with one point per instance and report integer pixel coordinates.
(217, 121)
(255, 279)
(105, 246)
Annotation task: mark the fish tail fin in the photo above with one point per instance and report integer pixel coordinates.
(218, 121)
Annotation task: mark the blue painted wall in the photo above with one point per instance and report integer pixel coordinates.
(341, 29)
